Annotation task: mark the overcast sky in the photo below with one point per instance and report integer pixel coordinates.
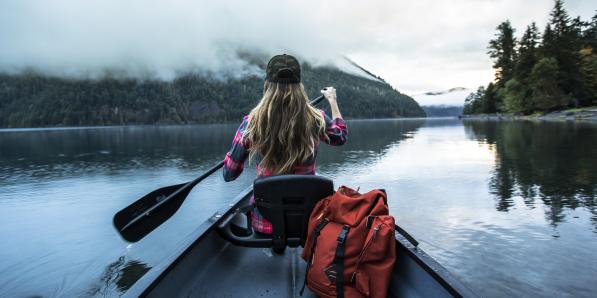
(417, 46)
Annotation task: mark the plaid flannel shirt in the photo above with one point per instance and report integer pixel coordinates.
(335, 135)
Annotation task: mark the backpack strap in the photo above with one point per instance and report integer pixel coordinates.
(316, 233)
(339, 261)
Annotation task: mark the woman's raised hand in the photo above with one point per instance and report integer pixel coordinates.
(329, 93)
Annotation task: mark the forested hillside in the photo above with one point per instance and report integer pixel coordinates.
(541, 72)
(34, 100)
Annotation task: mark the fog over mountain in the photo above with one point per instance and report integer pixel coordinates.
(414, 45)
(445, 103)
(175, 62)
(164, 39)
(451, 97)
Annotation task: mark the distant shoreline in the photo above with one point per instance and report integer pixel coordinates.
(576, 114)
(580, 114)
(74, 127)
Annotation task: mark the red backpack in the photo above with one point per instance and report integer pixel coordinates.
(350, 249)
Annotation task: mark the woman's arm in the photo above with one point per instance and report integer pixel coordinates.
(330, 95)
(335, 127)
(234, 162)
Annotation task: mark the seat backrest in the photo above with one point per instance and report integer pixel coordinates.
(287, 201)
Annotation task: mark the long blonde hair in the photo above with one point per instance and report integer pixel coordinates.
(283, 128)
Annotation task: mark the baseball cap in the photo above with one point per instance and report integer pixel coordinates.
(283, 69)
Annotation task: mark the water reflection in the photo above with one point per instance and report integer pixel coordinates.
(482, 198)
(548, 162)
(119, 275)
(50, 154)
(83, 176)
(367, 140)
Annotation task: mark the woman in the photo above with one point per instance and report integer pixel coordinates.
(283, 131)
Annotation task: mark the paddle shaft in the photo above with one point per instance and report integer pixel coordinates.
(179, 194)
(183, 189)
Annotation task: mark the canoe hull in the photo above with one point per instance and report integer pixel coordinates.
(206, 265)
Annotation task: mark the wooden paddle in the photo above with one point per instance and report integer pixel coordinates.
(149, 212)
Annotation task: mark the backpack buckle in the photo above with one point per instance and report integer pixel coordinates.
(342, 236)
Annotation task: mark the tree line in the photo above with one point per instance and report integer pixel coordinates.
(541, 72)
(31, 99)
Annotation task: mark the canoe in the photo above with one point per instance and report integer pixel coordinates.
(207, 265)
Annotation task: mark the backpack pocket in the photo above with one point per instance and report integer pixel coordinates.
(376, 260)
(321, 275)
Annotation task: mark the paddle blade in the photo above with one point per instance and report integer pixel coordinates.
(133, 228)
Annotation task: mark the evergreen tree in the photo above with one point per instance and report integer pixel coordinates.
(527, 52)
(502, 51)
(516, 93)
(479, 94)
(560, 20)
(565, 49)
(490, 99)
(548, 46)
(558, 72)
(588, 65)
(482, 101)
(589, 35)
(469, 102)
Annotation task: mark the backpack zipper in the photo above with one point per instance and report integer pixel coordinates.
(362, 254)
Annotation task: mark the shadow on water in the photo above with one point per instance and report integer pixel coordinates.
(119, 276)
(548, 162)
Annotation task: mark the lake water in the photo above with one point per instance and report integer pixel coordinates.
(508, 207)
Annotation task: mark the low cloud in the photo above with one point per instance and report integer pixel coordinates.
(415, 45)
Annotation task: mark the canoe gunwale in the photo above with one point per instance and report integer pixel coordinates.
(452, 284)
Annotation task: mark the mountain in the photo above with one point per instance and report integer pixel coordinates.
(443, 111)
(32, 99)
(447, 103)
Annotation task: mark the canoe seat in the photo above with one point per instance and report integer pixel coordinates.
(286, 201)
